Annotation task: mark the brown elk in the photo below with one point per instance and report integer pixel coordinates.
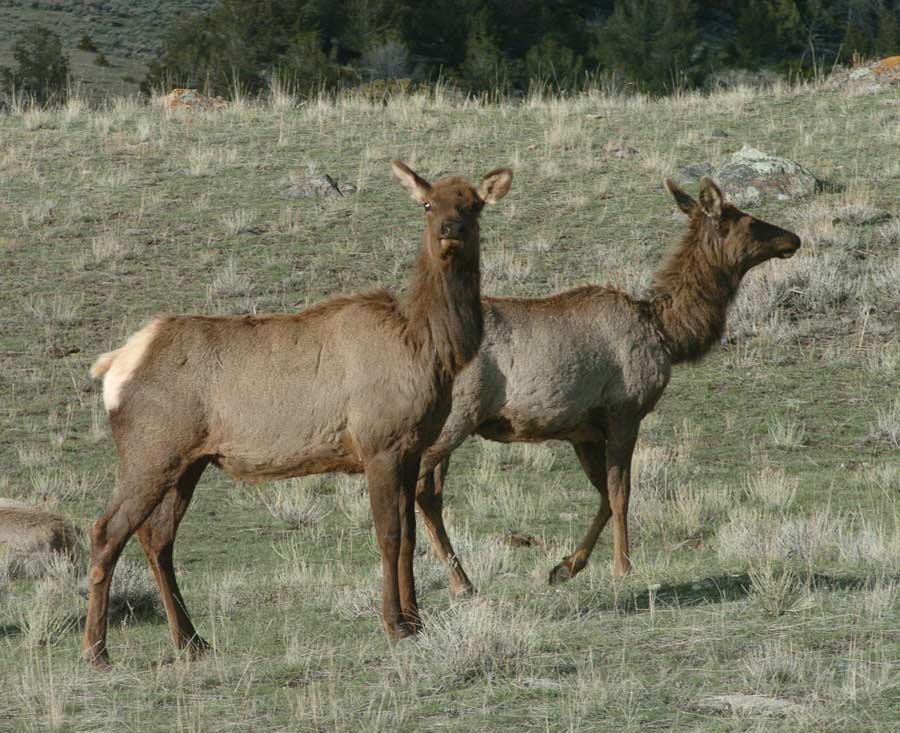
(359, 383)
(32, 536)
(586, 365)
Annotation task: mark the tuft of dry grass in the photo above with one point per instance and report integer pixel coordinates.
(477, 640)
(772, 488)
(52, 609)
(295, 503)
(352, 500)
(778, 590)
(887, 423)
(786, 433)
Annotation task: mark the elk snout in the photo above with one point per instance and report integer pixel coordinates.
(453, 230)
(790, 246)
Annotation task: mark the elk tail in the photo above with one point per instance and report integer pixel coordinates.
(102, 365)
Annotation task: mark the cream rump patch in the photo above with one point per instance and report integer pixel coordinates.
(117, 367)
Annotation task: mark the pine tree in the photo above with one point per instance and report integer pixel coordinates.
(887, 36)
(485, 69)
(43, 67)
(653, 43)
(551, 63)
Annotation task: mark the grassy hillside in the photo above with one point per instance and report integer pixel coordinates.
(127, 34)
(766, 507)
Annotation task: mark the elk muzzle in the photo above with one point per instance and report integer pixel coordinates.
(453, 235)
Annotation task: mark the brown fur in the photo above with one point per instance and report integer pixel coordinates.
(356, 383)
(33, 535)
(586, 365)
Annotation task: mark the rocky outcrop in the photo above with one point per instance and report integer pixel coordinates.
(874, 77)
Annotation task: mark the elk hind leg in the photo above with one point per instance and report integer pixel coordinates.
(592, 457)
(157, 538)
(137, 494)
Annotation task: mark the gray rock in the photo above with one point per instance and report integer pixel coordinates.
(748, 704)
(625, 152)
(754, 173)
(540, 683)
(751, 176)
(872, 78)
(693, 172)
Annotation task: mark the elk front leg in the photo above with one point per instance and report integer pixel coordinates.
(409, 606)
(391, 513)
(620, 443)
(593, 461)
(430, 497)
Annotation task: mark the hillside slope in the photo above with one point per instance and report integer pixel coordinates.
(127, 33)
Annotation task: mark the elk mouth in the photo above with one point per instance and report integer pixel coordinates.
(788, 252)
(451, 244)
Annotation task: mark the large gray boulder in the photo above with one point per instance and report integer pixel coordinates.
(751, 176)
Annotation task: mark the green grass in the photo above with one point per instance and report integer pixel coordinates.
(765, 556)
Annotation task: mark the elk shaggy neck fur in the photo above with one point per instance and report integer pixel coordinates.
(443, 312)
(692, 289)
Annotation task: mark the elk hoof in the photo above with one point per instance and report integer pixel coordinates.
(560, 574)
(462, 590)
(99, 661)
(413, 625)
(398, 633)
(197, 648)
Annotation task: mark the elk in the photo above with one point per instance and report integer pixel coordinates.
(588, 364)
(357, 383)
(33, 536)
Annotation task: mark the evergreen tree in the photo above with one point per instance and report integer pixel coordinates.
(856, 41)
(551, 63)
(305, 64)
(42, 67)
(485, 69)
(652, 42)
(887, 35)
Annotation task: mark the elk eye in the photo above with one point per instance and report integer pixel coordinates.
(427, 206)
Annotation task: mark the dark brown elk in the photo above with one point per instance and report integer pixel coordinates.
(359, 383)
(588, 364)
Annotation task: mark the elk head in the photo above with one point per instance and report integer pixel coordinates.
(451, 208)
(743, 241)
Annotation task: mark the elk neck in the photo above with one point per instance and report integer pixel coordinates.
(443, 309)
(691, 291)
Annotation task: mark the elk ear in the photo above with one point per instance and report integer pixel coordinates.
(711, 198)
(683, 200)
(419, 188)
(495, 185)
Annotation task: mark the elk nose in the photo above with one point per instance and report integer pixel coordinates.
(452, 229)
(795, 240)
